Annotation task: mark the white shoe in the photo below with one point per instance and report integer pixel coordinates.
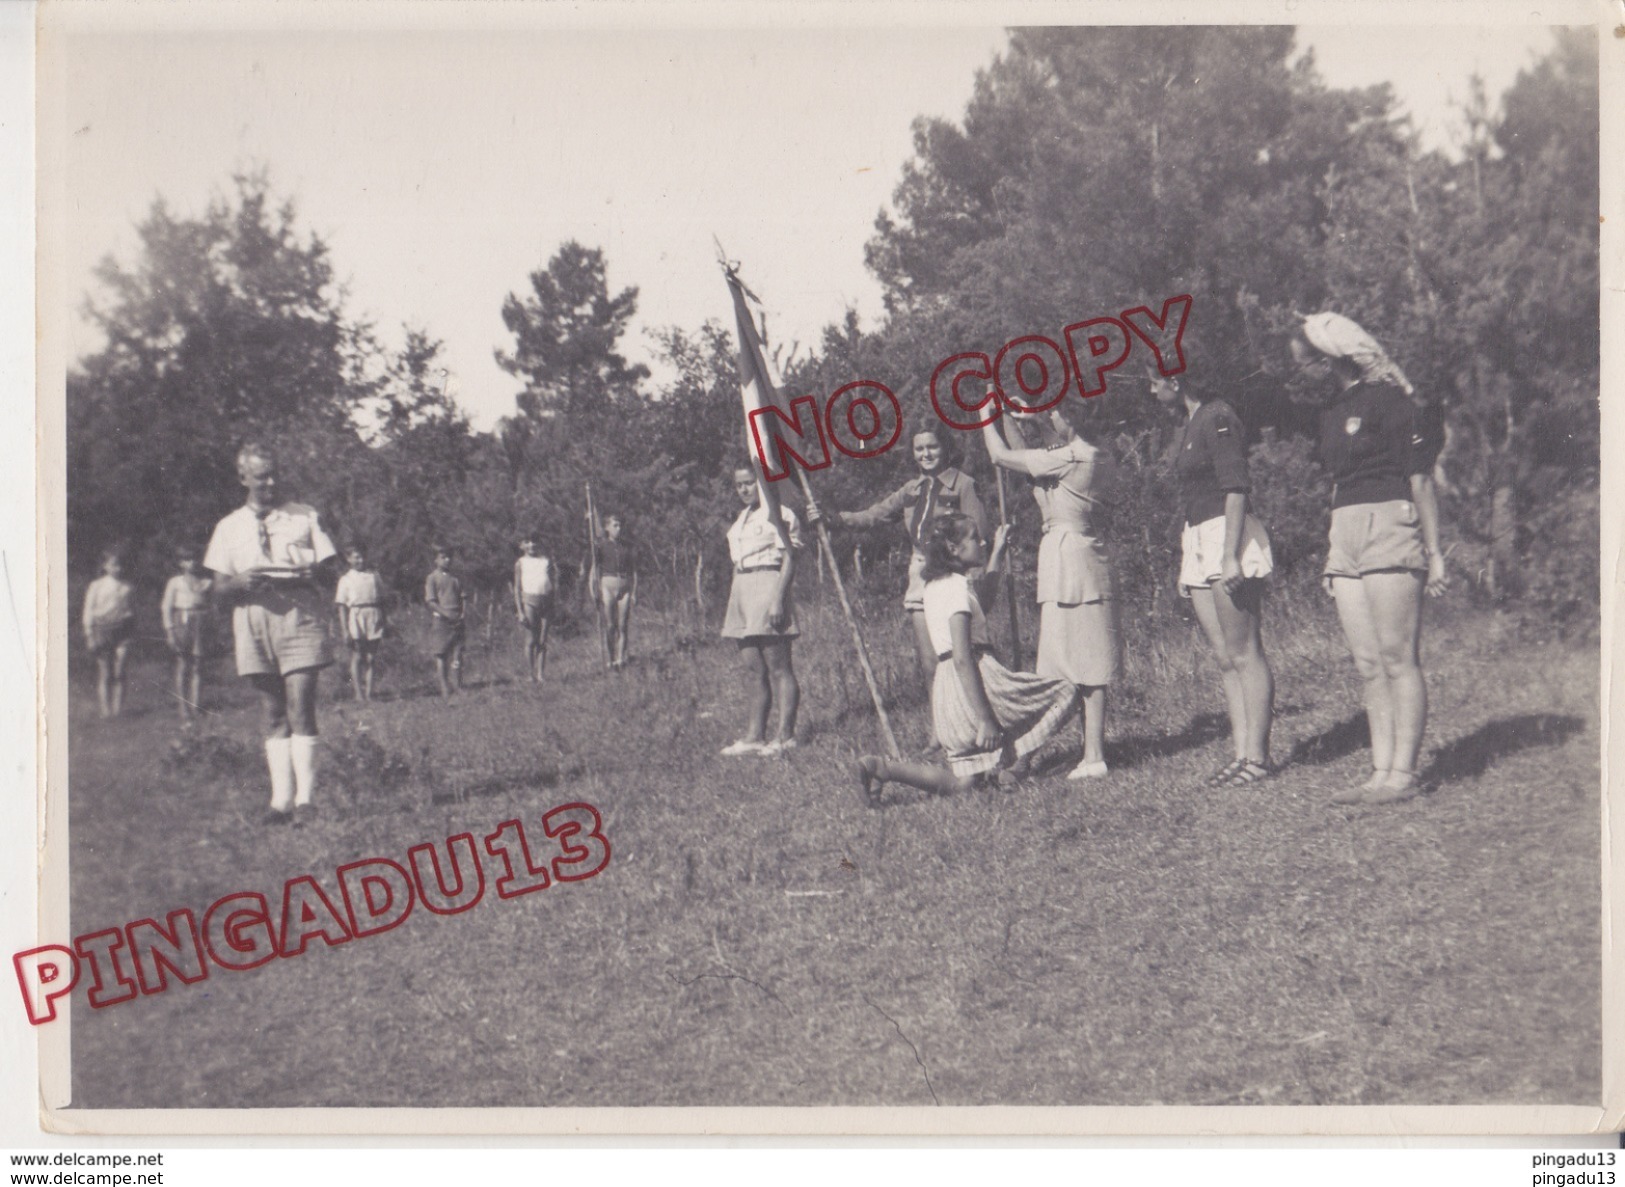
(742, 748)
(778, 748)
(1088, 769)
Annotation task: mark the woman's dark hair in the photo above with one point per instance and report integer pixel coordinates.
(941, 535)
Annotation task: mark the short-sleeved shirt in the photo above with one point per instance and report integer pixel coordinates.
(358, 588)
(444, 594)
(753, 543)
(923, 498)
(945, 597)
(615, 558)
(1371, 442)
(293, 537)
(534, 576)
(1210, 460)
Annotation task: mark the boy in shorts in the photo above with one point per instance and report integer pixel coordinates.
(443, 594)
(360, 601)
(614, 582)
(109, 622)
(185, 611)
(267, 558)
(533, 603)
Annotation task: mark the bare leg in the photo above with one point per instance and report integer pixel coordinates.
(195, 682)
(120, 653)
(181, 689)
(1094, 723)
(541, 650)
(874, 770)
(273, 704)
(1396, 613)
(623, 621)
(301, 700)
(759, 686)
(1203, 601)
(1360, 631)
(104, 683)
(368, 655)
(1240, 620)
(440, 675)
(456, 665)
(355, 670)
(786, 689)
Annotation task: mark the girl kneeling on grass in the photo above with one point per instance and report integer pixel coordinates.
(986, 716)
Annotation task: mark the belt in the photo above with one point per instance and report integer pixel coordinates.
(977, 649)
(364, 606)
(759, 569)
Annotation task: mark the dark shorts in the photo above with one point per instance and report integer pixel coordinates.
(444, 635)
(106, 637)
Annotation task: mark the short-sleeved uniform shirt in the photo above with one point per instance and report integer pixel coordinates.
(1372, 440)
(357, 588)
(923, 498)
(1210, 460)
(945, 597)
(292, 538)
(753, 542)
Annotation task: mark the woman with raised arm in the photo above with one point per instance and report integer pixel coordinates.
(1225, 558)
(938, 489)
(1379, 451)
(1078, 635)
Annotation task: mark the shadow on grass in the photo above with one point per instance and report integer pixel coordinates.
(1141, 748)
(1333, 742)
(457, 788)
(1470, 756)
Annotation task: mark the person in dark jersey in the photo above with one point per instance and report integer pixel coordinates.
(1225, 558)
(1379, 452)
(614, 582)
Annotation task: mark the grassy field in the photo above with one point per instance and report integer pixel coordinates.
(761, 937)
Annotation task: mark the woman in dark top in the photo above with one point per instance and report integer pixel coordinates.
(1226, 556)
(1384, 537)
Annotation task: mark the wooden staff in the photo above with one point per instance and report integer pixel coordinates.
(1009, 580)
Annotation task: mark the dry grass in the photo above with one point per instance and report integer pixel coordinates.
(762, 937)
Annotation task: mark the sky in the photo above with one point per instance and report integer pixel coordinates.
(443, 166)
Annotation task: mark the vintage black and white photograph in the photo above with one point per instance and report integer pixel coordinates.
(687, 559)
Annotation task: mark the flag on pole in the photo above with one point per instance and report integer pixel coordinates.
(756, 390)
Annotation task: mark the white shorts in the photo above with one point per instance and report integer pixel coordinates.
(1203, 548)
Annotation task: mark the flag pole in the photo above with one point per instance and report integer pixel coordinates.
(1009, 580)
(592, 553)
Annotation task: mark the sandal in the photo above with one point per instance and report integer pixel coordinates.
(1250, 772)
(1226, 773)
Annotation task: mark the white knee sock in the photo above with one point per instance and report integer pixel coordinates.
(303, 747)
(279, 759)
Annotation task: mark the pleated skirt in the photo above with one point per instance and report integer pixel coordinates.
(1029, 707)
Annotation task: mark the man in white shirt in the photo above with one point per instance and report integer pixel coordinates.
(267, 556)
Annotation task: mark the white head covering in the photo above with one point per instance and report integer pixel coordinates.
(1343, 338)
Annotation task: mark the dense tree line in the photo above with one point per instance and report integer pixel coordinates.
(1093, 169)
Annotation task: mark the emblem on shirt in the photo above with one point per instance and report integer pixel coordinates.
(1351, 425)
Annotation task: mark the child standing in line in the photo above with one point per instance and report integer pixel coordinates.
(443, 594)
(534, 602)
(185, 612)
(360, 601)
(986, 716)
(614, 582)
(109, 622)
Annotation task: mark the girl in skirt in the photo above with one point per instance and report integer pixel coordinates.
(761, 617)
(986, 716)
